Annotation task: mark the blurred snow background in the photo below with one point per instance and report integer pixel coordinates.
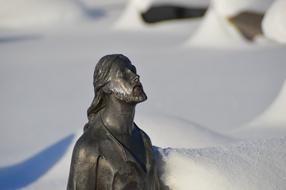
(216, 101)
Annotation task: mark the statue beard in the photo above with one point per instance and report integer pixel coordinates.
(136, 95)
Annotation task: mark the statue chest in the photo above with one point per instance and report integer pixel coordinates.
(124, 168)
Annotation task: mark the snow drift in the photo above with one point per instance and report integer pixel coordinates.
(233, 7)
(31, 169)
(271, 122)
(273, 24)
(46, 88)
(274, 115)
(27, 13)
(215, 31)
(252, 165)
(57, 175)
(179, 132)
(131, 18)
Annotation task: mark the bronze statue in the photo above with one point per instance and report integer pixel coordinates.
(113, 153)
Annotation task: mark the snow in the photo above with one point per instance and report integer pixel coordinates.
(190, 3)
(273, 24)
(189, 133)
(20, 175)
(247, 165)
(233, 7)
(215, 31)
(131, 18)
(275, 114)
(272, 118)
(28, 13)
(219, 110)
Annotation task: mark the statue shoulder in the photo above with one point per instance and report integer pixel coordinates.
(84, 162)
(86, 148)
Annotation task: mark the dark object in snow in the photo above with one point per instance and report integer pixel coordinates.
(248, 23)
(158, 13)
(113, 153)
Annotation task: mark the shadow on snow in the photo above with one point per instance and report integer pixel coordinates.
(28, 171)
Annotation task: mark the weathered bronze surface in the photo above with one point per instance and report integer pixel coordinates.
(113, 153)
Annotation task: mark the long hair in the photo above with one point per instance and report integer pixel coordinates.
(100, 79)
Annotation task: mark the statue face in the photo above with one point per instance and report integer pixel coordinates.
(125, 84)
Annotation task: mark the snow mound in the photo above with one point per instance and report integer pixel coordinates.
(131, 19)
(273, 24)
(30, 13)
(275, 114)
(272, 118)
(30, 170)
(253, 165)
(179, 133)
(215, 31)
(233, 7)
(199, 3)
(57, 176)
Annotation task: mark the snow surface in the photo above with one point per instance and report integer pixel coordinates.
(275, 114)
(215, 31)
(189, 133)
(27, 13)
(273, 24)
(233, 7)
(247, 165)
(224, 106)
(131, 17)
(195, 3)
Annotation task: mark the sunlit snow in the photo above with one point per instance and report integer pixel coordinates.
(216, 103)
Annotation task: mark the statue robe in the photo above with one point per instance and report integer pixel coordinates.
(101, 162)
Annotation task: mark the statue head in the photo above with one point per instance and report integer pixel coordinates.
(115, 76)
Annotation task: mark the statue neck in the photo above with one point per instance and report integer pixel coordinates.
(118, 116)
